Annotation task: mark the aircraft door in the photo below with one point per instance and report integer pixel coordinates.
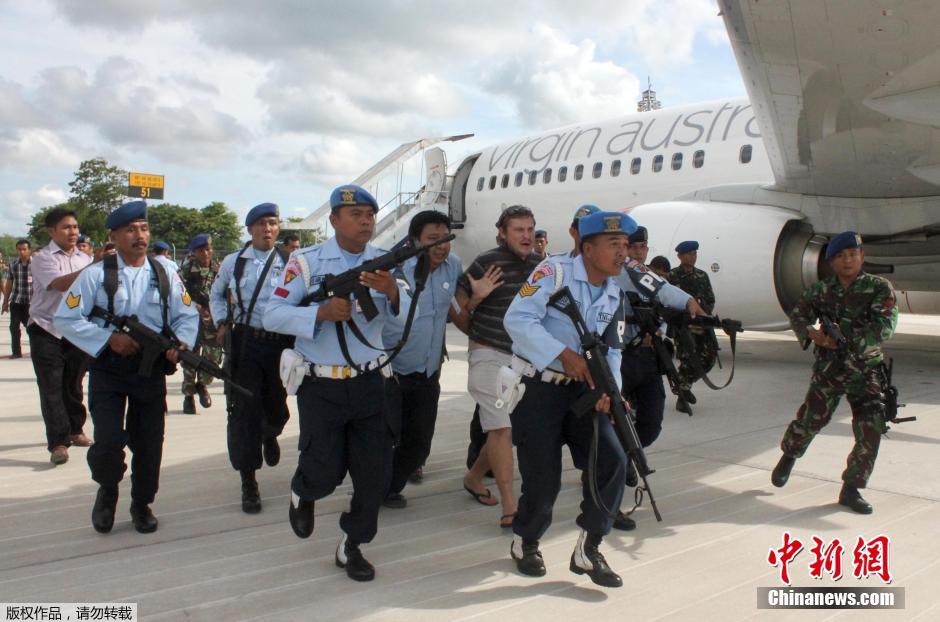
(457, 204)
(435, 166)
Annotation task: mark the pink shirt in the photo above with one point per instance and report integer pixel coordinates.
(49, 264)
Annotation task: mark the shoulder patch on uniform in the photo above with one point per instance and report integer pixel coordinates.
(280, 291)
(542, 272)
(72, 301)
(187, 299)
(528, 290)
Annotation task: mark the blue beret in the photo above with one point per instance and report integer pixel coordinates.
(127, 213)
(260, 211)
(352, 195)
(199, 240)
(640, 235)
(846, 239)
(541, 233)
(687, 246)
(583, 211)
(605, 222)
(83, 238)
(160, 245)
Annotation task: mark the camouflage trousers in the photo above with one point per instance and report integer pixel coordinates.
(206, 348)
(863, 392)
(703, 349)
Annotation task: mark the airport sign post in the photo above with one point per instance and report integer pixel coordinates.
(144, 186)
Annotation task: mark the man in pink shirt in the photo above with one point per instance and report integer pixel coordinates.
(60, 367)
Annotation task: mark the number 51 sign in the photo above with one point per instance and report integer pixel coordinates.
(145, 186)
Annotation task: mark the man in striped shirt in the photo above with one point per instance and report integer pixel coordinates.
(17, 291)
(485, 292)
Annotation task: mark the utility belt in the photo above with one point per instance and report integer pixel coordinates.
(528, 370)
(294, 368)
(262, 335)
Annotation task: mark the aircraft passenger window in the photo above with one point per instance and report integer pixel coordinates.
(676, 161)
(519, 177)
(635, 166)
(615, 168)
(562, 174)
(657, 164)
(533, 175)
(598, 169)
(698, 159)
(493, 182)
(505, 182)
(547, 176)
(480, 183)
(579, 171)
(746, 152)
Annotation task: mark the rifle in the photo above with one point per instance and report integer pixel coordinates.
(154, 344)
(891, 395)
(346, 283)
(681, 321)
(595, 355)
(647, 320)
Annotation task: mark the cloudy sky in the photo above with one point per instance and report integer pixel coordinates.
(244, 102)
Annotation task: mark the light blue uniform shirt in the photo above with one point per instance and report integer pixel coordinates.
(225, 281)
(540, 333)
(137, 294)
(425, 346)
(171, 266)
(317, 341)
(668, 295)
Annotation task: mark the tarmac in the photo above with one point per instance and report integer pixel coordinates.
(444, 557)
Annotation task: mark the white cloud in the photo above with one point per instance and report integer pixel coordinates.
(18, 206)
(36, 148)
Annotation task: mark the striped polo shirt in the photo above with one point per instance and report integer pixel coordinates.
(486, 325)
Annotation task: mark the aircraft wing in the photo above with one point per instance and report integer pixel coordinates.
(846, 92)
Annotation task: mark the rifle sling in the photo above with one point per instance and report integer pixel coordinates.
(697, 364)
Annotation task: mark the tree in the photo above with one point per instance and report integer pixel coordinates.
(308, 237)
(176, 225)
(98, 186)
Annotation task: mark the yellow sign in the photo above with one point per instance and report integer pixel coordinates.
(145, 186)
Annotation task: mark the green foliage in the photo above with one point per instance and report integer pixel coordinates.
(8, 247)
(98, 186)
(308, 237)
(177, 225)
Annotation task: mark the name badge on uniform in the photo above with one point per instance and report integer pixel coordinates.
(29, 279)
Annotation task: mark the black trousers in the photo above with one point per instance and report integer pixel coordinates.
(19, 315)
(60, 371)
(127, 410)
(541, 424)
(412, 403)
(643, 386)
(344, 429)
(251, 420)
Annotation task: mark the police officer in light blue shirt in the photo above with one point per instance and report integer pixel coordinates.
(237, 302)
(554, 375)
(413, 392)
(115, 380)
(161, 252)
(343, 424)
(640, 369)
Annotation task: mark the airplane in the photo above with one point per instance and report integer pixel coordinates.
(839, 132)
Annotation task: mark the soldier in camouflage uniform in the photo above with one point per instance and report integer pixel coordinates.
(695, 283)
(861, 310)
(198, 273)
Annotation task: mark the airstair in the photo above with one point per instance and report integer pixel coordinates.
(394, 214)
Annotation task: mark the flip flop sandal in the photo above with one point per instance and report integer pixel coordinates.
(504, 517)
(480, 496)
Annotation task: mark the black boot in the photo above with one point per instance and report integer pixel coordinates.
(349, 556)
(205, 400)
(189, 405)
(689, 396)
(395, 501)
(301, 516)
(586, 559)
(144, 520)
(781, 472)
(251, 496)
(271, 451)
(683, 406)
(102, 515)
(851, 498)
(624, 522)
(527, 557)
